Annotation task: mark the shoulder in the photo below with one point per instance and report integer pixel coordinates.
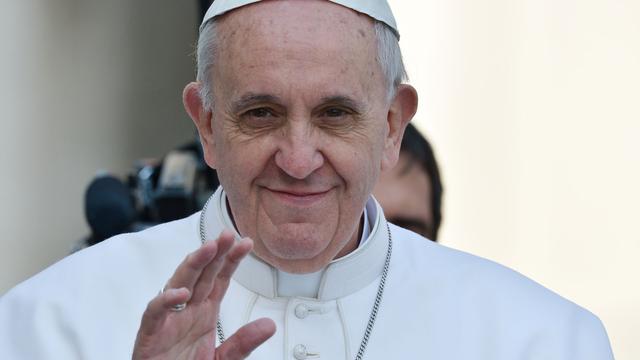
(480, 285)
(472, 273)
(488, 301)
(109, 284)
(124, 254)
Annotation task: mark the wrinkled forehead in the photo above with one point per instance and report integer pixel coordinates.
(376, 9)
(290, 23)
(326, 44)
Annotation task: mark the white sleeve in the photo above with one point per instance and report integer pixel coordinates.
(33, 329)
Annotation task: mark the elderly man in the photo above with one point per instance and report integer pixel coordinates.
(299, 105)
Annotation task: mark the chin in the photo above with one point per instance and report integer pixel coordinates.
(298, 242)
(296, 248)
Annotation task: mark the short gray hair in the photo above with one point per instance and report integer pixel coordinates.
(389, 57)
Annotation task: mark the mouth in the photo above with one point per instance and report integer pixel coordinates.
(299, 197)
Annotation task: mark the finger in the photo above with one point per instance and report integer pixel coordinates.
(232, 260)
(188, 272)
(206, 281)
(157, 310)
(246, 339)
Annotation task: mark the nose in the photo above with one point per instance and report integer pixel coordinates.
(298, 154)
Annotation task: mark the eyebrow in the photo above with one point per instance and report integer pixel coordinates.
(250, 99)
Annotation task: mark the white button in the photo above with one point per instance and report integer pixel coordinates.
(301, 311)
(300, 352)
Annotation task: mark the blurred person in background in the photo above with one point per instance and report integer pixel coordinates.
(411, 192)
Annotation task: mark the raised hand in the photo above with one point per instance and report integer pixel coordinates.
(180, 323)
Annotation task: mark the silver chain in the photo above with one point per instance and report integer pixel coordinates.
(203, 238)
(376, 304)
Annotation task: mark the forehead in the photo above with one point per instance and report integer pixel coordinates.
(288, 18)
(277, 39)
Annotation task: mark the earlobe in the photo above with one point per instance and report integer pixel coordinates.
(201, 117)
(403, 108)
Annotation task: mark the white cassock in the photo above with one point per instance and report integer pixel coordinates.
(438, 303)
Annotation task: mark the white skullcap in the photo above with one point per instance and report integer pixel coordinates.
(377, 9)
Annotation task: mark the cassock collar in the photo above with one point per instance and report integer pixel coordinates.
(340, 278)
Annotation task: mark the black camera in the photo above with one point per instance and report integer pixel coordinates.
(154, 192)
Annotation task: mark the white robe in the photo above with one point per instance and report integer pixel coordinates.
(438, 303)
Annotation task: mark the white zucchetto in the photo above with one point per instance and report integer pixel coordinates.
(377, 9)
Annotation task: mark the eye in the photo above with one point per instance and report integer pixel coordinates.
(337, 118)
(335, 112)
(259, 112)
(259, 118)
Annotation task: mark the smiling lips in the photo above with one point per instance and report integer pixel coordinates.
(299, 198)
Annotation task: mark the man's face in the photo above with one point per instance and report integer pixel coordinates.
(405, 194)
(299, 127)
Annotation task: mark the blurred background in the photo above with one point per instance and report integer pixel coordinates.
(532, 106)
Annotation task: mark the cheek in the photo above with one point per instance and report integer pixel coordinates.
(359, 166)
(375, 152)
(241, 161)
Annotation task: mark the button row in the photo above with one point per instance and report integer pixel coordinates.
(300, 351)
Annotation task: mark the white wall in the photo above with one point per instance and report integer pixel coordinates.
(84, 85)
(533, 108)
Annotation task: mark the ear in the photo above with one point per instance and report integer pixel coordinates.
(201, 117)
(403, 107)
